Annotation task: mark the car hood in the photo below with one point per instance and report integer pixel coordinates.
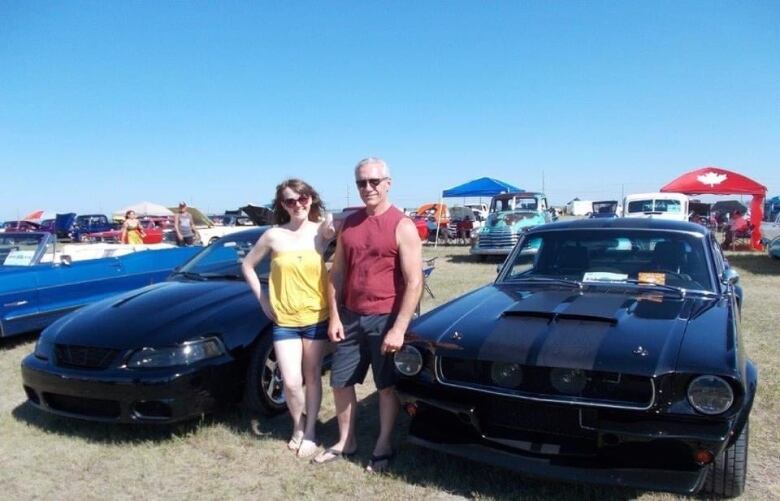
(63, 222)
(162, 314)
(261, 216)
(638, 333)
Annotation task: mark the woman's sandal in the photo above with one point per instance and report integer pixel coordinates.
(380, 463)
(333, 455)
(295, 442)
(307, 448)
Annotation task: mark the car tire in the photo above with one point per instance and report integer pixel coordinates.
(264, 390)
(726, 476)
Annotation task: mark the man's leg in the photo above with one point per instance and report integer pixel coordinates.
(388, 412)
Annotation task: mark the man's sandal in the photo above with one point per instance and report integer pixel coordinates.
(380, 463)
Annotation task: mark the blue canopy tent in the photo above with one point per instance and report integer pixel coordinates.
(482, 187)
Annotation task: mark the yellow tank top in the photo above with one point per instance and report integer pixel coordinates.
(297, 288)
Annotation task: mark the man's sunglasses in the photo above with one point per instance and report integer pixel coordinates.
(374, 181)
(290, 203)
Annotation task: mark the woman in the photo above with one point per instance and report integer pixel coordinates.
(132, 233)
(296, 300)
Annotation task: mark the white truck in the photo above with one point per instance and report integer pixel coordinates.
(672, 206)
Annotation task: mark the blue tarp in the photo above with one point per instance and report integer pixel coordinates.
(482, 187)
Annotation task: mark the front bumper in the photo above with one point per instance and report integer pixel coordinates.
(131, 396)
(595, 447)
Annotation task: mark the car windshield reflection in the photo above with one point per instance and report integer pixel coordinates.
(222, 259)
(20, 249)
(670, 260)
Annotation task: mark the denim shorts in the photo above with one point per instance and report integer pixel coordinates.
(314, 332)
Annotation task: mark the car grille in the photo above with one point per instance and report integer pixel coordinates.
(92, 407)
(84, 357)
(534, 417)
(604, 389)
(498, 239)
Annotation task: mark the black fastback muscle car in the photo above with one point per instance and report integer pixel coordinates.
(606, 351)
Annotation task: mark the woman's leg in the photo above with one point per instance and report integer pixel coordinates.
(289, 353)
(313, 351)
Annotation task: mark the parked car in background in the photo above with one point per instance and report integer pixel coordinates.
(673, 206)
(511, 214)
(20, 226)
(41, 280)
(154, 230)
(604, 209)
(458, 214)
(90, 223)
(606, 351)
(770, 236)
(166, 352)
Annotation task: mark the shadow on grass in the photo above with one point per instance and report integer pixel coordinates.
(12, 342)
(760, 264)
(418, 466)
(237, 419)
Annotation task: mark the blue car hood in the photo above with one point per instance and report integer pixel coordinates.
(630, 333)
(162, 314)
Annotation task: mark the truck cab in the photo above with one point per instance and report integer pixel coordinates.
(672, 206)
(510, 214)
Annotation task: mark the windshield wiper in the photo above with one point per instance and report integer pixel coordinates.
(229, 276)
(549, 280)
(670, 288)
(189, 274)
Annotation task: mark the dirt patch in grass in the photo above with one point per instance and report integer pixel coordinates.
(232, 455)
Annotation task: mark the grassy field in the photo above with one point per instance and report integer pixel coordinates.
(233, 455)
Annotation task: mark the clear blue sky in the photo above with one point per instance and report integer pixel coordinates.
(103, 104)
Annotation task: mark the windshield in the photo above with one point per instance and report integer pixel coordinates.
(223, 258)
(614, 255)
(19, 250)
(514, 203)
(657, 205)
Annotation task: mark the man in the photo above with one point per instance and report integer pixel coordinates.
(182, 223)
(738, 225)
(373, 290)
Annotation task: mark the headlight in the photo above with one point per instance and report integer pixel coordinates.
(408, 360)
(568, 381)
(506, 375)
(184, 354)
(44, 349)
(710, 395)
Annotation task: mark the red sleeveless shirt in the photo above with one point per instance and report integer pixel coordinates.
(373, 281)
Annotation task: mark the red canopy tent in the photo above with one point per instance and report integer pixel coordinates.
(717, 181)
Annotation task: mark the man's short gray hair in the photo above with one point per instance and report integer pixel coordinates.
(374, 160)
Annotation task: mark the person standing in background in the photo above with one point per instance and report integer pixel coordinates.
(182, 223)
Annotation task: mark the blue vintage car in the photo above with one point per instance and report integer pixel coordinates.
(40, 280)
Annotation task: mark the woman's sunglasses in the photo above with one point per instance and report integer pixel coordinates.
(290, 203)
(374, 182)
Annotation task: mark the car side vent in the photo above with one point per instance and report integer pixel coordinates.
(84, 357)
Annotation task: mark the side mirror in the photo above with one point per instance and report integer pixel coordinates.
(66, 260)
(730, 276)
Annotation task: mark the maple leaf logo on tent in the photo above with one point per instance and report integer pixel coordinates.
(711, 178)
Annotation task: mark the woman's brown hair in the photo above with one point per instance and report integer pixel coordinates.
(300, 187)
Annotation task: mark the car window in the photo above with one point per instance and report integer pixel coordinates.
(225, 256)
(665, 257)
(19, 250)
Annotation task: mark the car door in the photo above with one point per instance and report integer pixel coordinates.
(64, 288)
(771, 230)
(19, 302)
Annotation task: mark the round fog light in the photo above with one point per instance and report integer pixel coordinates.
(506, 374)
(568, 381)
(408, 360)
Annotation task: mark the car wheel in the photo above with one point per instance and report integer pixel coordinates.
(264, 388)
(726, 476)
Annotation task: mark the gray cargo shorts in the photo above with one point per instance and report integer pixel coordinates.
(362, 346)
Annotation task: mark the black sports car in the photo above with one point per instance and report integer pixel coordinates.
(606, 351)
(163, 353)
